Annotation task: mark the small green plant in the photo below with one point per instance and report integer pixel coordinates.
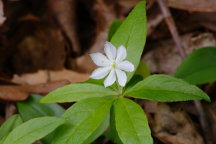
(199, 67)
(102, 103)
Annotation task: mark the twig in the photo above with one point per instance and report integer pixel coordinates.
(174, 32)
(203, 120)
(171, 25)
(10, 109)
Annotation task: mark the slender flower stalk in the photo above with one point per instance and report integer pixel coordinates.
(113, 64)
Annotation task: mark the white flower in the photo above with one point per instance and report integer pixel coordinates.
(113, 64)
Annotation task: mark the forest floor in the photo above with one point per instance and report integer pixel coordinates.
(46, 44)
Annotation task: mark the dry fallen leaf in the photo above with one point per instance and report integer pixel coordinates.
(33, 47)
(174, 127)
(65, 13)
(105, 15)
(2, 18)
(85, 64)
(12, 93)
(43, 76)
(19, 93)
(211, 109)
(164, 58)
(32, 83)
(69, 75)
(194, 5)
(128, 3)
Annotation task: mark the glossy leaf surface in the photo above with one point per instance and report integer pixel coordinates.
(199, 67)
(131, 123)
(164, 88)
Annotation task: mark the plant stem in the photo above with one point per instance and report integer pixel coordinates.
(120, 89)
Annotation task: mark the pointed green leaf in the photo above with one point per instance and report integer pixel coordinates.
(83, 118)
(112, 133)
(132, 34)
(131, 122)
(143, 70)
(99, 131)
(31, 108)
(95, 81)
(199, 67)
(164, 88)
(114, 26)
(135, 79)
(33, 130)
(9, 125)
(2, 140)
(77, 92)
(113, 87)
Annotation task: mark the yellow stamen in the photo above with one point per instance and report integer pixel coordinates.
(113, 65)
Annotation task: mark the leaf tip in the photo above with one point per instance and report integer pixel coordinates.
(43, 100)
(207, 99)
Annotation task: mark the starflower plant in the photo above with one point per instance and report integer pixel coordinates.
(113, 63)
(99, 104)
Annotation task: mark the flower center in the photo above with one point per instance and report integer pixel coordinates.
(113, 65)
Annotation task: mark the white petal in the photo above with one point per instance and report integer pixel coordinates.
(122, 78)
(121, 54)
(110, 51)
(126, 66)
(110, 79)
(100, 73)
(99, 59)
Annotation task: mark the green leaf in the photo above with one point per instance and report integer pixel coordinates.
(132, 34)
(99, 131)
(77, 92)
(113, 136)
(31, 108)
(114, 87)
(143, 70)
(33, 130)
(95, 81)
(131, 122)
(2, 140)
(83, 118)
(199, 67)
(135, 79)
(112, 133)
(114, 26)
(164, 88)
(9, 125)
